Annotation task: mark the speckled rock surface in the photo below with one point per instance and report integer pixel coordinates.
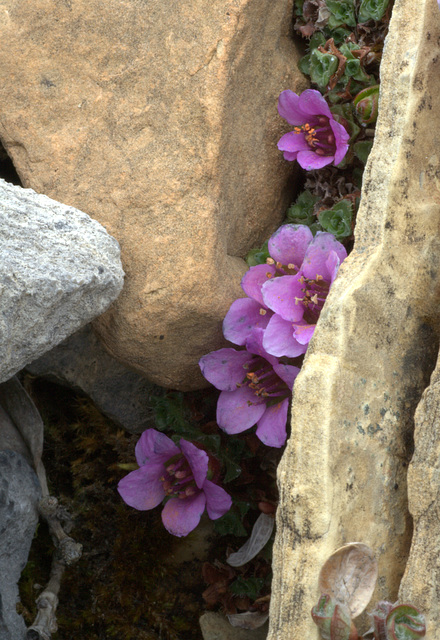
(159, 120)
(343, 476)
(82, 363)
(19, 495)
(421, 582)
(59, 269)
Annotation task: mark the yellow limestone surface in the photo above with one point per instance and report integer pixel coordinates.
(343, 476)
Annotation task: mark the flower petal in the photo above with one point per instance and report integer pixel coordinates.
(154, 446)
(254, 344)
(271, 428)
(279, 339)
(243, 316)
(312, 103)
(291, 156)
(142, 489)
(224, 368)
(304, 332)
(180, 517)
(310, 160)
(218, 502)
(254, 279)
(197, 459)
(332, 265)
(293, 142)
(287, 373)
(289, 243)
(341, 139)
(315, 260)
(239, 410)
(283, 296)
(289, 109)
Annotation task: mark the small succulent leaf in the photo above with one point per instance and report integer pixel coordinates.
(362, 150)
(379, 617)
(337, 220)
(349, 576)
(321, 67)
(261, 532)
(372, 10)
(405, 622)
(322, 614)
(342, 12)
(248, 620)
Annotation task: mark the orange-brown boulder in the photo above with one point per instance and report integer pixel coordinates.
(159, 120)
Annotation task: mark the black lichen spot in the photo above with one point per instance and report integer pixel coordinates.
(45, 82)
(161, 337)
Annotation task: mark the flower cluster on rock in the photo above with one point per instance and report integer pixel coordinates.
(178, 473)
(276, 320)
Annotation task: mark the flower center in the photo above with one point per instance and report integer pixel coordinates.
(264, 382)
(315, 294)
(319, 136)
(178, 480)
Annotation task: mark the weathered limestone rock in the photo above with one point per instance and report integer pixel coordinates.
(81, 362)
(59, 270)
(159, 120)
(421, 582)
(343, 475)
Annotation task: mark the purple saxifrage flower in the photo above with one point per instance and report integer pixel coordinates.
(287, 294)
(317, 139)
(179, 473)
(255, 389)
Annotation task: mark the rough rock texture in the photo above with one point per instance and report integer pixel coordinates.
(216, 627)
(159, 120)
(421, 582)
(59, 269)
(19, 495)
(82, 362)
(343, 476)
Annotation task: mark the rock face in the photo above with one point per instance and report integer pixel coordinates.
(82, 362)
(59, 270)
(19, 495)
(159, 120)
(343, 476)
(421, 582)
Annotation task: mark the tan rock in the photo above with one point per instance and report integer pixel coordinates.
(420, 584)
(343, 475)
(158, 119)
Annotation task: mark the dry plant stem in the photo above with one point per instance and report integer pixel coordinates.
(67, 553)
(45, 623)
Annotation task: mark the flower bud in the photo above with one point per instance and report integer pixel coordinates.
(366, 105)
(333, 620)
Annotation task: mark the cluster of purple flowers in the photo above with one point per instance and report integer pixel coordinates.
(273, 323)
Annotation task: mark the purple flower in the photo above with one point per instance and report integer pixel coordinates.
(317, 139)
(255, 389)
(286, 296)
(176, 472)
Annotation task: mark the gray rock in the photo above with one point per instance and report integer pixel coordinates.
(19, 496)
(59, 269)
(82, 362)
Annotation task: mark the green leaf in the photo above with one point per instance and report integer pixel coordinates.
(342, 12)
(304, 64)
(362, 150)
(230, 524)
(337, 220)
(405, 622)
(322, 67)
(249, 587)
(258, 256)
(317, 40)
(302, 211)
(372, 10)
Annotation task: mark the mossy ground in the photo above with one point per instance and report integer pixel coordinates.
(124, 586)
